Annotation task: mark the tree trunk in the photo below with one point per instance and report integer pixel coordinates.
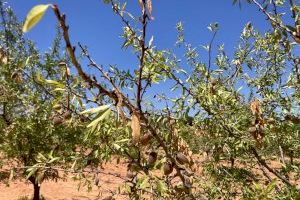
(232, 161)
(36, 189)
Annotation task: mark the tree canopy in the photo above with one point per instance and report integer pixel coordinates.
(59, 115)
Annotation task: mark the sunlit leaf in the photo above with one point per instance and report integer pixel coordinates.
(55, 83)
(34, 16)
(99, 119)
(95, 110)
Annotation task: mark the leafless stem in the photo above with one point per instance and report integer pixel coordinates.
(209, 53)
(264, 164)
(142, 57)
(268, 177)
(71, 52)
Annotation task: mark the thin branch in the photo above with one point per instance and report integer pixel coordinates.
(209, 53)
(142, 57)
(292, 4)
(264, 164)
(71, 52)
(268, 177)
(270, 17)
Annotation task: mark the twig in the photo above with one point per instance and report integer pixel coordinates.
(142, 57)
(270, 17)
(209, 54)
(71, 52)
(264, 164)
(267, 176)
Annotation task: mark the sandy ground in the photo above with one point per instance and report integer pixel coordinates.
(68, 189)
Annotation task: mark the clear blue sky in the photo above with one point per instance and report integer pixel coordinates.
(94, 24)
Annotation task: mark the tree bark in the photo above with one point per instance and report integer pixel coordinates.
(36, 189)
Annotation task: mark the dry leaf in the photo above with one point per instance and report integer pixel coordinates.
(3, 57)
(255, 107)
(136, 127)
(68, 72)
(142, 5)
(149, 7)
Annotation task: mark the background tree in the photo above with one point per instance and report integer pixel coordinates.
(33, 133)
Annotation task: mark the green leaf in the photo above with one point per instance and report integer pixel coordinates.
(34, 16)
(32, 171)
(144, 183)
(53, 160)
(161, 187)
(96, 110)
(73, 165)
(117, 147)
(55, 83)
(39, 78)
(59, 90)
(41, 156)
(99, 119)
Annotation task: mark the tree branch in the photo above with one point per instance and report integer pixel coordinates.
(264, 164)
(142, 58)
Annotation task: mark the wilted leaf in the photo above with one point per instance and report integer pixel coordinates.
(34, 16)
(255, 107)
(149, 7)
(142, 5)
(136, 128)
(3, 57)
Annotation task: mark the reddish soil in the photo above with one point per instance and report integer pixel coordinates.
(113, 176)
(68, 189)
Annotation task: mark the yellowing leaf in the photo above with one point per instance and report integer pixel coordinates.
(136, 128)
(34, 16)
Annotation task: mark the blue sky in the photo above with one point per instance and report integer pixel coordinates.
(93, 23)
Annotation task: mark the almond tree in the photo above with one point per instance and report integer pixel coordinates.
(243, 109)
(35, 133)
